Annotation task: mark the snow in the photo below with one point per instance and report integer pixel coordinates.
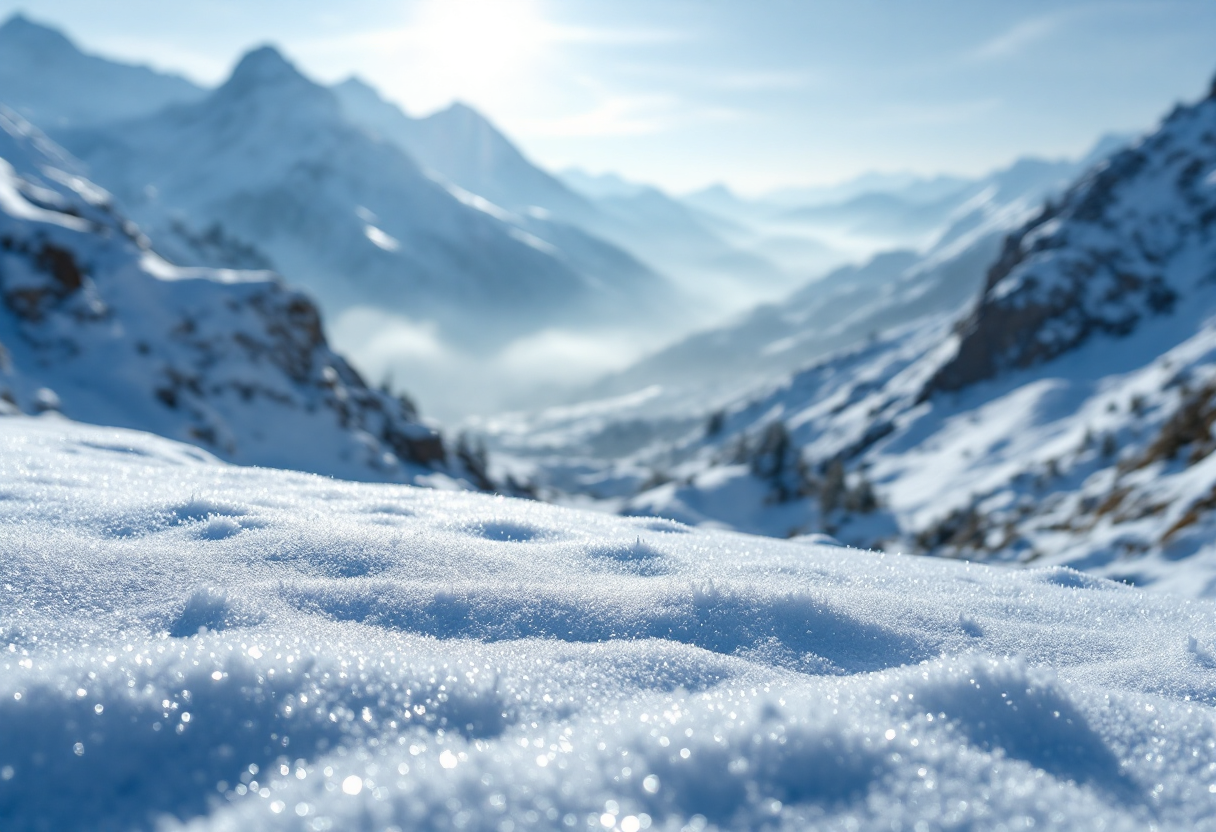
(198, 645)
(380, 239)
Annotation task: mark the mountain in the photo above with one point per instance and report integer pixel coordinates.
(270, 158)
(720, 200)
(856, 302)
(600, 185)
(465, 148)
(880, 214)
(908, 186)
(928, 208)
(684, 243)
(97, 327)
(49, 81)
(808, 230)
(1065, 419)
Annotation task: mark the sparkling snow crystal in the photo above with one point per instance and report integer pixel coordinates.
(190, 643)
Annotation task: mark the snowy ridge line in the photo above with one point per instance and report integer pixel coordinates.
(185, 646)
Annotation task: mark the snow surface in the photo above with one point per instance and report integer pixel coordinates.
(198, 645)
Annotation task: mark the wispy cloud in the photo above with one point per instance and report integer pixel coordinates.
(626, 114)
(636, 36)
(920, 114)
(753, 81)
(1019, 37)
(720, 78)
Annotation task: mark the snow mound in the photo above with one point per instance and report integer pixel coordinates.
(188, 644)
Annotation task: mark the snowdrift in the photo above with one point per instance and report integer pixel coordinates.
(196, 645)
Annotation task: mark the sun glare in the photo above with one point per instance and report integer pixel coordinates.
(476, 49)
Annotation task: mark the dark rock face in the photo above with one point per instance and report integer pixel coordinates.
(1097, 263)
(45, 274)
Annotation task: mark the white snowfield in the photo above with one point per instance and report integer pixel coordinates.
(191, 644)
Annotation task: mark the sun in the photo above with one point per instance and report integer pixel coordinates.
(477, 50)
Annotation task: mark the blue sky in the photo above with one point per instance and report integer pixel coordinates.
(756, 93)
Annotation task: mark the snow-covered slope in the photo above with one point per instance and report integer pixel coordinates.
(845, 308)
(184, 646)
(856, 302)
(96, 326)
(49, 81)
(270, 158)
(1067, 419)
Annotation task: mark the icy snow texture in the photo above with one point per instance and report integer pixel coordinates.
(239, 649)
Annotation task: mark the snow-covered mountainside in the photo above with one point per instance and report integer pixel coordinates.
(96, 326)
(49, 81)
(854, 302)
(1066, 419)
(463, 147)
(184, 646)
(843, 309)
(270, 158)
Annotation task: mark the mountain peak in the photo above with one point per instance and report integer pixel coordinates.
(717, 190)
(19, 31)
(262, 66)
(357, 84)
(469, 122)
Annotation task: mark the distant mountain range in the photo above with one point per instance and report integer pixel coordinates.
(439, 221)
(857, 302)
(269, 157)
(443, 219)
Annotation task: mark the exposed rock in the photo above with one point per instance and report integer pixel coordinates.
(1096, 263)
